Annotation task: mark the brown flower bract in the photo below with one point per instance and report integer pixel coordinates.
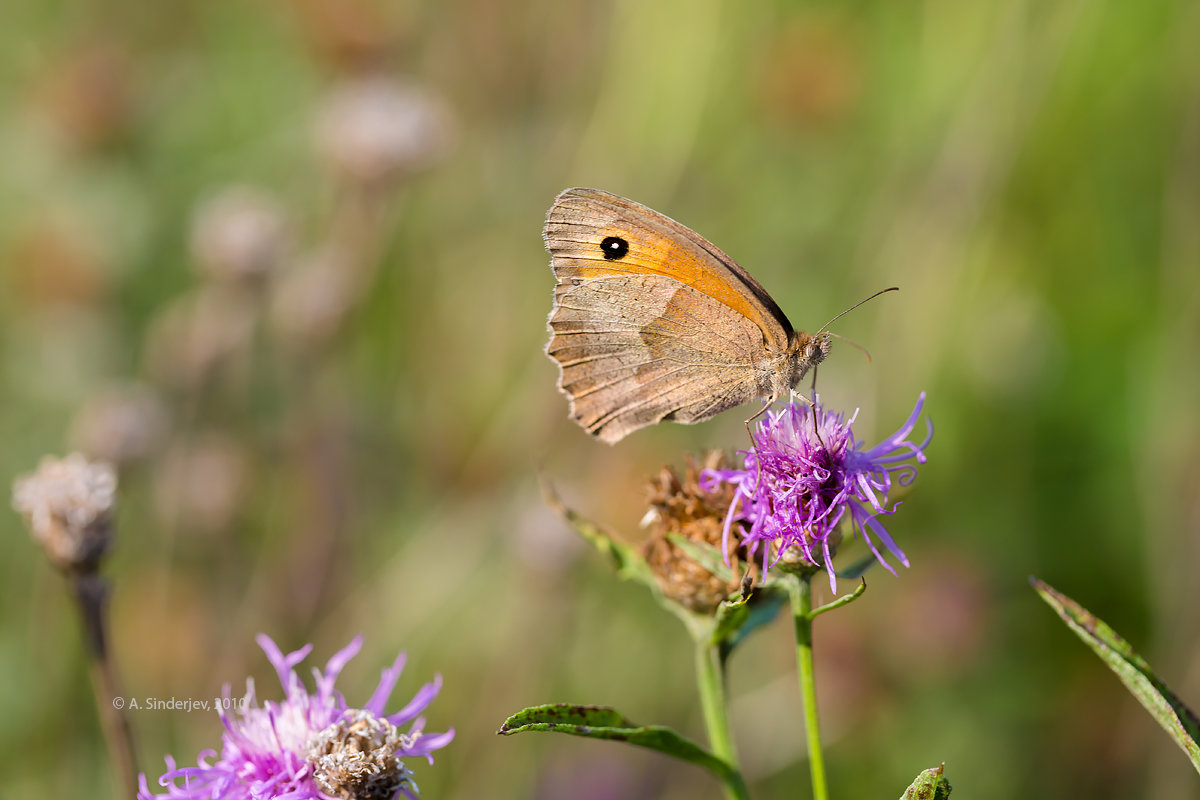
(682, 507)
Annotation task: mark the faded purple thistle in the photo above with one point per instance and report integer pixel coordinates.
(311, 745)
(794, 488)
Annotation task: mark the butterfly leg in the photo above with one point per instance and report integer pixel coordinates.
(756, 415)
(751, 418)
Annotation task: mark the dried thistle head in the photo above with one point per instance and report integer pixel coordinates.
(68, 505)
(357, 758)
(680, 506)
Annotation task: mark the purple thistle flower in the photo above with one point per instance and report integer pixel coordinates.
(310, 746)
(795, 488)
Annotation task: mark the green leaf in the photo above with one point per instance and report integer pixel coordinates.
(1176, 718)
(844, 600)
(738, 618)
(929, 785)
(733, 613)
(625, 558)
(703, 554)
(601, 722)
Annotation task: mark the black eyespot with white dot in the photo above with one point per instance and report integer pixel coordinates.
(614, 247)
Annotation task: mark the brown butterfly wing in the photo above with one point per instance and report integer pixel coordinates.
(637, 349)
(672, 328)
(581, 219)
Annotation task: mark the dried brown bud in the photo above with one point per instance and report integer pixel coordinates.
(239, 235)
(683, 508)
(374, 130)
(355, 758)
(68, 504)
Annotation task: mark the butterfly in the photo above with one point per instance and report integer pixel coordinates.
(652, 321)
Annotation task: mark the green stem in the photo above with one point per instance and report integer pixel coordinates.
(710, 677)
(803, 617)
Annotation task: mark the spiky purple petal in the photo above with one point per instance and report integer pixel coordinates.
(797, 484)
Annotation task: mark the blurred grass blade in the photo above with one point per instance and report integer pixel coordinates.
(1176, 718)
(602, 722)
(929, 785)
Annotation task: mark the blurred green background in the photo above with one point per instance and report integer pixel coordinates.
(301, 240)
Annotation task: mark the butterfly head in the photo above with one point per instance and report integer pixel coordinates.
(816, 349)
(804, 352)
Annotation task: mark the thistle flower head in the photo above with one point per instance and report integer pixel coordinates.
(800, 480)
(312, 745)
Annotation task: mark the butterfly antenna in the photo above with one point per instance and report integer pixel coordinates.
(853, 344)
(856, 305)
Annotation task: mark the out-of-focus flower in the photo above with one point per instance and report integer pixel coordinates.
(239, 235)
(198, 333)
(684, 508)
(68, 504)
(121, 424)
(202, 482)
(57, 258)
(310, 303)
(375, 130)
(351, 34)
(87, 94)
(796, 485)
(311, 746)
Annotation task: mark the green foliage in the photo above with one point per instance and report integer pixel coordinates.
(931, 784)
(600, 722)
(1167, 709)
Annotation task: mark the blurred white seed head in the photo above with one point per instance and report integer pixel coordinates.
(310, 303)
(68, 505)
(376, 130)
(121, 424)
(239, 235)
(199, 332)
(201, 483)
